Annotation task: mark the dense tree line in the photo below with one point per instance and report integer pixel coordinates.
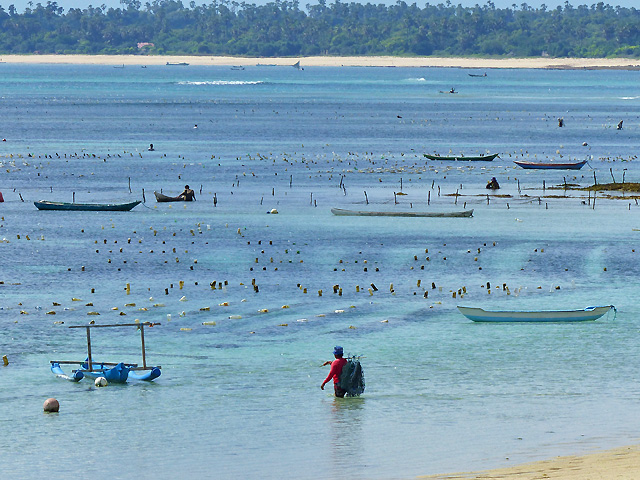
(283, 28)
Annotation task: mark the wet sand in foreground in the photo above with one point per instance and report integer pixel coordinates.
(619, 464)
(480, 63)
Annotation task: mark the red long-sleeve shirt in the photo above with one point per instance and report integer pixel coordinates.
(336, 370)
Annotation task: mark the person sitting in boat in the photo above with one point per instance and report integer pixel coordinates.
(493, 184)
(453, 90)
(188, 195)
(336, 370)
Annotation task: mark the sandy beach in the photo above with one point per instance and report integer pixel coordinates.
(481, 63)
(619, 464)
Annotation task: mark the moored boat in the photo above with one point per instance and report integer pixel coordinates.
(461, 158)
(160, 197)
(550, 165)
(362, 213)
(585, 315)
(111, 207)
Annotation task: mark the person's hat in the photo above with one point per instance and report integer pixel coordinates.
(337, 350)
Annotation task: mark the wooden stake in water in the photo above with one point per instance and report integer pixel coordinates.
(366, 199)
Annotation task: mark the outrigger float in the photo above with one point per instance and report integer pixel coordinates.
(113, 372)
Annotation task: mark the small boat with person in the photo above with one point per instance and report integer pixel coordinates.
(113, 372)
(587, 314)
(550, 165)
(364, 213)
(462, 158)
(95, 207)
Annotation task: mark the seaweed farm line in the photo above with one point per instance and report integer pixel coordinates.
(256, 281)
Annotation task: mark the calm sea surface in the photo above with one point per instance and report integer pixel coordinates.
(241, 398)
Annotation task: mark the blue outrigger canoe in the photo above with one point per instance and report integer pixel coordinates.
(118, 373)
(585, 315)
(112, 372)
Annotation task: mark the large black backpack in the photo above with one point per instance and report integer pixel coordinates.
(352, 378)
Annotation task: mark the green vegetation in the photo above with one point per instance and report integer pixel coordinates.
(282, 28)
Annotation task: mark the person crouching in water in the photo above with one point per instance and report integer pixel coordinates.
(336, 370)
(493, 184)
(188, 195)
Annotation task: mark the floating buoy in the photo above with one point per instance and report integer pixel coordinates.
(51, 405)
(101, 382)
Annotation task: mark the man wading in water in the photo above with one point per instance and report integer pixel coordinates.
(336, 370)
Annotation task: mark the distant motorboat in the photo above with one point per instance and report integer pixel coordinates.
(550, 165)
(361, 213)
(237, 67)
(181, 64)
(585, 315)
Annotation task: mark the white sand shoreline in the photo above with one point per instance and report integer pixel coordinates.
(480, 63)
(618, 464)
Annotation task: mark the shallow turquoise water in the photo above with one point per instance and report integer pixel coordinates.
(241, 398)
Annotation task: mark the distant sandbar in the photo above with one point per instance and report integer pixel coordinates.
(325, 61)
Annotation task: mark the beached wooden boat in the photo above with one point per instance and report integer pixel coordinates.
(361, 213)
(165, 198)
(114, 372)
(585, 315)
(550, 165)
(462, 158)
(111, 207)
